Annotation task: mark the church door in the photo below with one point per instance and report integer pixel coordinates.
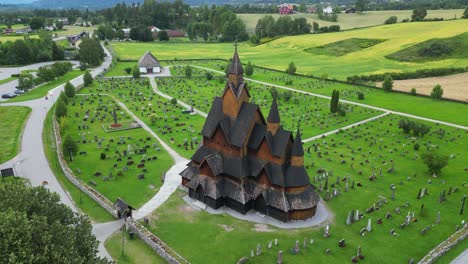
(260, 205)
(200, 194)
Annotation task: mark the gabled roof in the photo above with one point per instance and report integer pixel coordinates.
(148, 60)
(278, 142)
(244, 120)
(122, 206)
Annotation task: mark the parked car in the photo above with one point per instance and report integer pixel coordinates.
(17, 91)
(8, 95)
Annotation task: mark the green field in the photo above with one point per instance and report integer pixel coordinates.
(42, 90)
(5, 38)
(344, 47)
(370, 147)
(7, 80)
(435, 49)
(119, 69)
(349, 21)
(136, 251)
(13, 120)
(73, 30)
(279, 53)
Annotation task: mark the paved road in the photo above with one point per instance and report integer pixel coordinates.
(461, 259)
(31, 163)
(348, 102)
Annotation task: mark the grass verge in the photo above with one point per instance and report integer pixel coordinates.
(13, 120)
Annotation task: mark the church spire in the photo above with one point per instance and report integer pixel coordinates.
(297, 153)
(273, 120)
(235, 69)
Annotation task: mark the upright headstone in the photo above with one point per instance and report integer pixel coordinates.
(296, 247)
(369, 227)
(463, 201)
(279, 260)
(259, 249)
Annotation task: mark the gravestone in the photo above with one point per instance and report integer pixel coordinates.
(279, 259)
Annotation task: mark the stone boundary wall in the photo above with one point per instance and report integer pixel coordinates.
(445, 246)
(162, 249)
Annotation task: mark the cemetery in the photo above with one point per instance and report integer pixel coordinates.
(126, 163)
(372, 178)
(313, 112)
(374, 195)
(177, 127)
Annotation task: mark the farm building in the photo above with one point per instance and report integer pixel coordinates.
(285, 9)
(328, 10)
(149, 64)
(248, 162)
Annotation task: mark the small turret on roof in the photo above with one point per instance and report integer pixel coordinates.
(297, 149)
(273, 120)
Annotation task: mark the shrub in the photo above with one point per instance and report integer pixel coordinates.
(360, 95)
(388, 83)
(413, 91)
(87, 79)
(63, 97)
(416, 146)
(136, 72)
(334, 28)
(341, 110)
(291, 68)
(69, 146)
(434, 161)
(287, 95)
(174, 101)
(391, 20)
(69, 90)
(188, 71)
(103, 156)
(436, 49)
(61, 109)
(249, 69)
(209, 76)
(128, 70)
(437, 92)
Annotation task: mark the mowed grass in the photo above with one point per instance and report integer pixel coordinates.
(135, 250)
(279, 53)
(344, 47)
(87, 205)
(42, 90)
(119, 69)
(435, 49)
(117, 177)
(349, 21)
(13, 120)
(6, 38)
(7, 80)
(183, 227)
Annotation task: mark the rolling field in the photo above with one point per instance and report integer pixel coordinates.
(278, 54)
(349, 21)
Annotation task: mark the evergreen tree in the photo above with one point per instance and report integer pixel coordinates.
(61, 109)
(388, 83)
(291, 68)
(249, 69)
(136, 72)
(188, 71)
(88, 79)
(334, 102)
(437, 92)
(69, 90)
(91, 52)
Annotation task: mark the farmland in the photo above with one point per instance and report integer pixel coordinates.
(279, 53)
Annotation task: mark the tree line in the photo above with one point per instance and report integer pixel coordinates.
(29, 50)
(268, 27)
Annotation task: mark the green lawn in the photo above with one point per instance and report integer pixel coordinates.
(372, 146)
(7, 80)
(117, 177)
(41, 91)
(350, 21)
(13, 120)
(279, 53)
(87, 205)
(180, 131)
(119, 69)
(136, 251)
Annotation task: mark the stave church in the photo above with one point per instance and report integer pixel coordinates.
(247, 162)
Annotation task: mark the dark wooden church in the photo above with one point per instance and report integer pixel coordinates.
(246, 162)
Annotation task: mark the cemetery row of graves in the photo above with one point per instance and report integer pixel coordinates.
(372, 177)
(312, 112)
(374, 182)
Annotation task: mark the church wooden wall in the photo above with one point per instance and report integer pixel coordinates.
(302, 214)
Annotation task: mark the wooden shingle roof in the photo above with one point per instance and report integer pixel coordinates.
(148, 60)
